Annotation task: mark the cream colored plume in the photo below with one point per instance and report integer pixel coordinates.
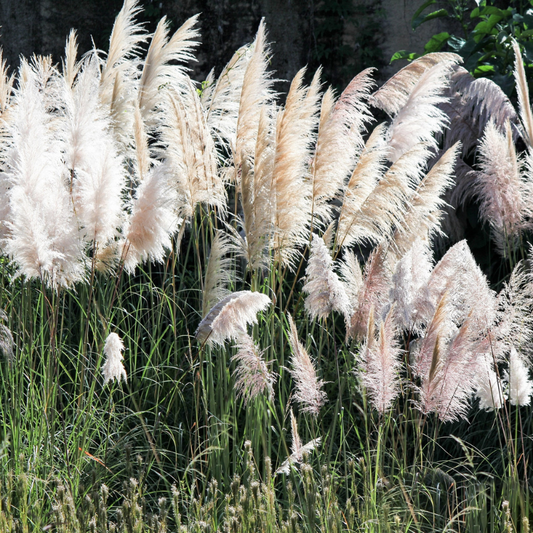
(190, 153)
(308, 393)
(229, 318)
(159, 69)
(424, 206)
(366, 175)
(325, 291)
(256, 196)
(394, 94)
(291, 186)
(6, 86)
(219, 272)
(420, 118)
(383, 208)
(252, 376)
(149, 229)
(221, 98)
(526, 116)
(339, 141)
(256, 92)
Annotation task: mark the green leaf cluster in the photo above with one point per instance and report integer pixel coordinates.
(485, 36)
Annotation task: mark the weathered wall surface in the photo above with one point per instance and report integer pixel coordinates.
(344, 39)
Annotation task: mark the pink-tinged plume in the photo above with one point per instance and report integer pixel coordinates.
(309, 393)
(379, 363)
(252, 376)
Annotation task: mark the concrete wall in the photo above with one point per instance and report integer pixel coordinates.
(377, 27)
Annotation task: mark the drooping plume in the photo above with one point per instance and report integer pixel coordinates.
(252, 376)
(308, 393)
(420, 118)
(394, 94)
(325, 291)
(229, 318)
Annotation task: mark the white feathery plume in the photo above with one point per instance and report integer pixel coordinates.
(219, 272)
(113, 368)
(339, 141)
(522, 90)
(424, 206)
(124, 42)
(420, 118)
(158, 70)
(221, 99)
(394, 94)
(91, 157)
(365, 176)
(325, 291)
(372, 296)
(256, 92)
(297, 450)
(383, 209)
(409, 292)
(517, 379)
(291, 187)
(256, 196)
(379, 363)
(489, 386)
(42, 235)
(470, 295)
(142, 149)
(252, 376)
(152, 222)
(191, 154)
(229, 318)
(6, 87)
(514, 322)
(504, 196)
(351, 275)
(309, 393)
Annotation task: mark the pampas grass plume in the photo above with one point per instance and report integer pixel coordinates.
(309, 393)
(113, 367)
(229, 318)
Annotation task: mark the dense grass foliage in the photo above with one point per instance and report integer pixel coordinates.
(219, 313)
